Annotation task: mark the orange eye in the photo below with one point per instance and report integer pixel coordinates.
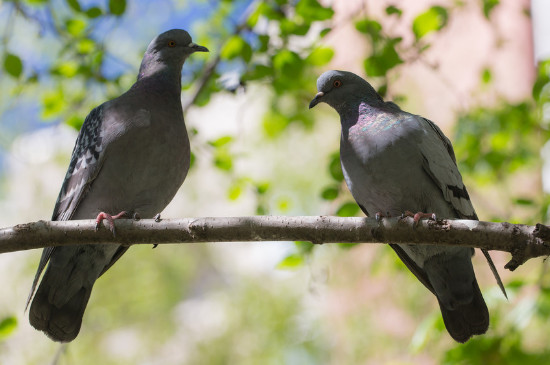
(337, 83)
(171, 43)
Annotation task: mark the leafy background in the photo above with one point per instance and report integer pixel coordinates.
(257, 149)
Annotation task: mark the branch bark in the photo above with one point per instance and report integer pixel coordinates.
(522, 241)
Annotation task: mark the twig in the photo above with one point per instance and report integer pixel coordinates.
(522, 241)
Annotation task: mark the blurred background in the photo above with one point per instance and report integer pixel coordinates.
(475, 67)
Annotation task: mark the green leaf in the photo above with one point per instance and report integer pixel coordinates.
(257, 72)
(75, 121)
(73, 4)
(234, 191)
(117, 7)
(486, 76)
(335, 168)
(488, 6)
(262, 187)
(288, 64)
(330, 193)
(223, 159)
(370, 27)
(222, 141)
(392, 9)
(7, 326)
(85, 46)
(75, 27)
(67, 68)
(13, 65)
(312, 10)
(291, 262)
(383, 59)
(320, 56)
(431, 20)
(274, 123)
(236, 47)
(53, 102)
(304, 247)
(349, 209)
(93, 12)
(524, 201)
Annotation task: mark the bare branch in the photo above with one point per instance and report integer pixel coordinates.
(522, 241)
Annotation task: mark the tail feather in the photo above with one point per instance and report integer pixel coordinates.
(467, 320)
(63, 323)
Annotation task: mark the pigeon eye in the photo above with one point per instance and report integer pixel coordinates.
(171, 43)
(337, 83)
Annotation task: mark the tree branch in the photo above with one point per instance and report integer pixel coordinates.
(522, 241)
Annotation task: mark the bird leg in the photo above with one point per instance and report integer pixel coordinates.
(111, 219)
(418, 216)
(379, 215)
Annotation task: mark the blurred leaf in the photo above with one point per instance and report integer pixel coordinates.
(85, 46)
(283, 204)
(75, 27)
(330, 193)
(370, 27)
(288, 64)
(75, 121)
(73, 4)
(93, 12)
(223, 159)
(524, 201)
(7, 326)
(486, 76)
(234, 191)
(192, 160)
(222, 141)
(383, 59)
(304, 247)
(392, 9)
(431, 20)
(291, 262)
(335, 167)
(257, 72)
(117, 7)
(53, 103)
(349, 209)
(320, 56)
(313, 11)
(488, 6)
(236, 47)
(262, 188)
(274, 123)
(68, 69)
(13, 65)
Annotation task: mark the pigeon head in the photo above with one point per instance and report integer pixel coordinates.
(168, 50)
(341, 89)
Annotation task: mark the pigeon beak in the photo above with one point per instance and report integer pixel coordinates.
(317, 99)
(197, 48)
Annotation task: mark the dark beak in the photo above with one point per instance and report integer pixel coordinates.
(197, 48)
(317, 99)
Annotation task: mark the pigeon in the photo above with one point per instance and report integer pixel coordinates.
(395, 162)
(130, 158)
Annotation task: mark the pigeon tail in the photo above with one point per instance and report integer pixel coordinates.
(59, 321)
(466, 320)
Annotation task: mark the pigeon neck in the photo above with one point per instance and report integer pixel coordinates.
(160, 75)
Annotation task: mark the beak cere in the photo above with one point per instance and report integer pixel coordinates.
(317, 99)
(197, 48)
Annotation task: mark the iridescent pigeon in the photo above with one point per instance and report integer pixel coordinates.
(394, 162)
(131, 157)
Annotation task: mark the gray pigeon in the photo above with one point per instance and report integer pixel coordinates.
(131, 156)
(394, 162)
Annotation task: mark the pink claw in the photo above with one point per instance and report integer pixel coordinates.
(110, 218)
